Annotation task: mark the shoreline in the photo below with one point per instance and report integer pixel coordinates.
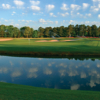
(60, 54)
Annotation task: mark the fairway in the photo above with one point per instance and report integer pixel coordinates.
(20, 92)
(79, 46)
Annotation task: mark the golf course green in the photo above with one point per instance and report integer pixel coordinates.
(51, 47)
(20, 92)
(47, 47)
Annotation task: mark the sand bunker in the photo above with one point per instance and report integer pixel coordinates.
(41, 41)
(6, 39)
(68, 40)
(53, 41)
(47, 41)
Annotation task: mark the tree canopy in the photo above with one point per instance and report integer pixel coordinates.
(70, 31)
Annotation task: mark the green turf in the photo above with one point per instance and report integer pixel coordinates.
(85, 46)
(20, 92)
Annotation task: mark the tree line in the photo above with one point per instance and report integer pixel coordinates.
(70, 31)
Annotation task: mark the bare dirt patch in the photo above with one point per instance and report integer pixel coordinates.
(6, 39)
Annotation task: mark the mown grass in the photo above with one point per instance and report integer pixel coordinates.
(82, 46)
(20, 92)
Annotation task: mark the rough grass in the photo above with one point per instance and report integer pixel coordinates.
(82, 46)
(20, 92)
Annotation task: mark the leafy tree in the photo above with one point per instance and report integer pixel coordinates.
(82, 30)
(61, 30)
(16, 32)
(99, 31)
(46, 32)
(89, 33)
(94, 30)
(27, 32)
(35, 34)
(65, 32)
(70, 29)
(41, 30)
(10, 30)
(76, 29)
(22, 30)
(5, 35)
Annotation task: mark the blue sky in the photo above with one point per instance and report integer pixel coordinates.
(45, 13)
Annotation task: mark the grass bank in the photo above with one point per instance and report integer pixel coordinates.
(85, 46)
(20, 92)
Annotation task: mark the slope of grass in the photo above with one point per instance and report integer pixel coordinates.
(82, 46)
(20, 92)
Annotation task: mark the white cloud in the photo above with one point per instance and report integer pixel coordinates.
(71, 21)
(78, 13)
(85, 5)
(99, 16)
(34, 13)
(14, 12)
(56, 22)
(35, 8)
(64, 7)
(98, 5)
(6, 6)
(16, 25)
(51, 14)
(45, 22)
(89, 15)
(64, 14)
(96, 0)
(35, 2)
(42, 21)
(94, 9)
(18, 3)
(75, 7)
(50, 7)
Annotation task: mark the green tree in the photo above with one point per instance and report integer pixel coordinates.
(94, 30)
(10, 30)
(41, 30)
(35, 34)
(89, 33)
(99, 31)
(76, 28)
(15, 32)
(46, 32)
(82, 30)
(27, 32)
(70, 29)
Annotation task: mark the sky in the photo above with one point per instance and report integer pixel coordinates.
(49, 13)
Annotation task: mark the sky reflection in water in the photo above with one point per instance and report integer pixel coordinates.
(55, 73)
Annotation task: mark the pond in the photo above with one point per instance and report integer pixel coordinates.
(58, 73)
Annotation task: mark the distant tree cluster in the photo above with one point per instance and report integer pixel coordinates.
(70, 31)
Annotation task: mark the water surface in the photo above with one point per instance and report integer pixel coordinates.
(58, 73)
